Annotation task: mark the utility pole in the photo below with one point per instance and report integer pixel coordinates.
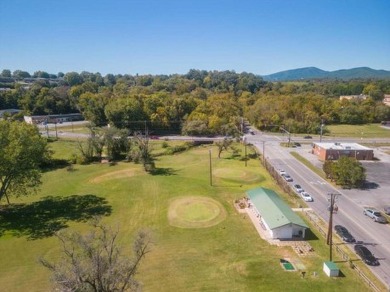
(55, 126)
(263, 153)
(322, 125)
(211, 175)
(246, 157)
(332, 208)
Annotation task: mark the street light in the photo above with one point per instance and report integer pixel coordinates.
(289, 135)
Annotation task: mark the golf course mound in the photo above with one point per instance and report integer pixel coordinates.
(237, 175)
(195, 212)
(113, 175)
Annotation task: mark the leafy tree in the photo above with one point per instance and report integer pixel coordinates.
(116, 142)
(348, 172)
(223, 145)
(6, 73)
(22, 151)
(195, 127)
(109, 80)
(92, 107)
(96, 262)
(141, 151)
(19, 74)
(41, 74)
(327, 167)
(125, 112)
(73, 78)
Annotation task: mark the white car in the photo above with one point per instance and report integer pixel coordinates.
(306, 197)
(282, 172)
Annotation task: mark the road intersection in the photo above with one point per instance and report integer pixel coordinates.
(350, 202)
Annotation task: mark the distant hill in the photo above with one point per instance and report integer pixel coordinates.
(315, 73)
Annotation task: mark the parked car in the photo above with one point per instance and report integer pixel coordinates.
(298, 188)
(344, 233)
(287, 178)
(306, 197)
(366, 255)
(374, 214)
(307, 137)
(386, 209)
(282, 172)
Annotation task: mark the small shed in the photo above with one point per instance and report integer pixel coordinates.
(275, 215)
(330, 269)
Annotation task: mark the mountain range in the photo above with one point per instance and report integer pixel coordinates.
(309, 73)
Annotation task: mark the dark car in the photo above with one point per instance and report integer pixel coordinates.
(298, 188)
(307, 137)
(344, 233)
(366, 255)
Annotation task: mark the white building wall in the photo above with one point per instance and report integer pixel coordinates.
(28, 119)
(282, 232)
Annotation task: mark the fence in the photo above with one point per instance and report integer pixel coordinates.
(314, 221)
(342, 253)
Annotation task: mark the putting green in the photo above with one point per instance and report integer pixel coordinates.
(195, 212)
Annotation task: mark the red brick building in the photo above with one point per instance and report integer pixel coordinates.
(333, 151)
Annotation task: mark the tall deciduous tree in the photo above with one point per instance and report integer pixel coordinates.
(347, 172)
(95, 262)
(22, 151)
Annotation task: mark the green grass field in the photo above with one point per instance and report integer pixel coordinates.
(358, 131)
(227, 255)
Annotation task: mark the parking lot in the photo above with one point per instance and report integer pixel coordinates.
(377, 189)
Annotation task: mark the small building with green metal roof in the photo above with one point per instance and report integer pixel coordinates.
(275, 215)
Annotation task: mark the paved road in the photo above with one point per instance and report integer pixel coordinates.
(350, 202)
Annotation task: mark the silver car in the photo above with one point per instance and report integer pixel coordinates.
(374, 214)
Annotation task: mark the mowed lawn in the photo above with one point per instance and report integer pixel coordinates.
(229, 256)
(358, 131)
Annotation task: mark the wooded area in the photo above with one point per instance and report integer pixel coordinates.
(197, 103)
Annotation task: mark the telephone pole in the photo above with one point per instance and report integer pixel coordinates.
(321, 127)
(332, 208)
(211, 174)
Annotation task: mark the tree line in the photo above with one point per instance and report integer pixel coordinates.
(197, 103)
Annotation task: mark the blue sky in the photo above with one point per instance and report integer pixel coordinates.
(173, 36)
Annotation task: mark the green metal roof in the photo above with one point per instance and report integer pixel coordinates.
(273, 209)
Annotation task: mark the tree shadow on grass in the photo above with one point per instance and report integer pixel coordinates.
(163, 171)
(45, 217)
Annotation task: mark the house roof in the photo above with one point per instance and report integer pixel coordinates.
(273, 209)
